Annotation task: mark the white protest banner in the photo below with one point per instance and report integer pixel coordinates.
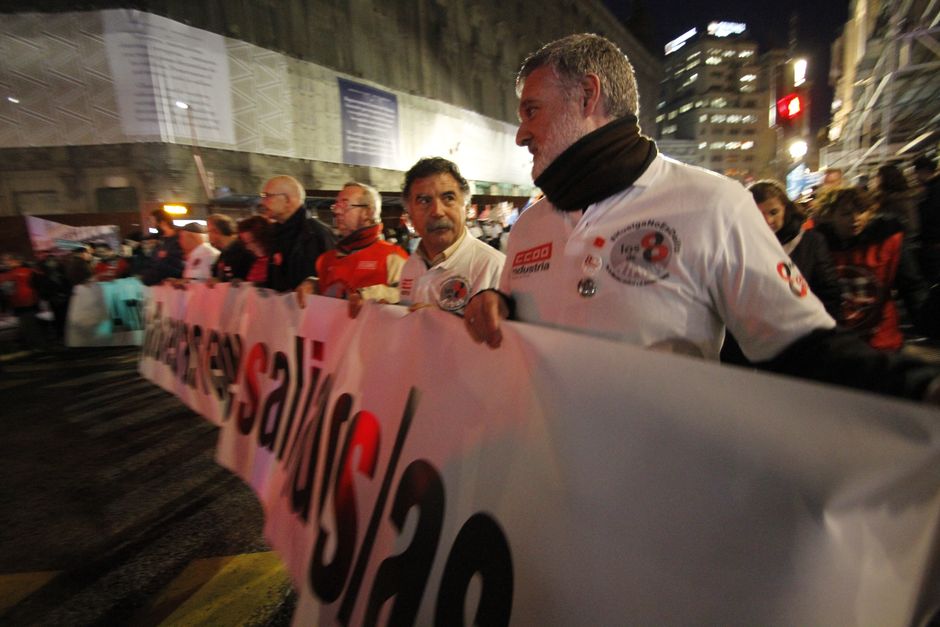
(47, 235)
(106, 313)
(411, 476)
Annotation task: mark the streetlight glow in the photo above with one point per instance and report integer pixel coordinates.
(798, 149)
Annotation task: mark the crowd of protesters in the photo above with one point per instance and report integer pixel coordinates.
(871, 252)
(879, 239)
(276, 247)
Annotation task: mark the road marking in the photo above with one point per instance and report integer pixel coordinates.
(222, 591)
(16, 587)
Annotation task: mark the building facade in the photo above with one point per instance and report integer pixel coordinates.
(710, 96)
(109, 108)
(884, 72)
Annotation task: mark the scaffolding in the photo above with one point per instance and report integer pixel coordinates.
(894, 108)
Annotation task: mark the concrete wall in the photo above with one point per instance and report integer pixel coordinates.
(461, 56)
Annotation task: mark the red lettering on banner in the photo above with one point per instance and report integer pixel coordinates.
(532, 255)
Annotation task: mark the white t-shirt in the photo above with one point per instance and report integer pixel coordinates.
(666, 264)
(199, 262)
(472, 267)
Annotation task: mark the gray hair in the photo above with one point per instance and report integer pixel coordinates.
(575, 56)
(373, 198)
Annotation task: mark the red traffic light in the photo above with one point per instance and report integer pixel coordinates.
(789, 107)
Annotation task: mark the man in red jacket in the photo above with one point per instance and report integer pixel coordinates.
(363, 265)
(18, 283)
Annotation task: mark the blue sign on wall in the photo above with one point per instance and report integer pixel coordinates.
(370, 125)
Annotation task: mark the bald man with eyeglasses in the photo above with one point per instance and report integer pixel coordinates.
(299, 239)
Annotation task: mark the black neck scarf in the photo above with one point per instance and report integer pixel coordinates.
(359, 239)
(600, 164)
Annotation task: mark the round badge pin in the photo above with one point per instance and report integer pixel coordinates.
(587, 288)
(591, 264)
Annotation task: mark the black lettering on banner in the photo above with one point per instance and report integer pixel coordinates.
(298, 388)
(152, 332)
(170, 345)
(216, 371)
(194, 357)
(274, 404)
(405, 576)
(181, 358)
(231, 364)
(163, 338)
(480, 547)
(305, 453)
(327, 579)
(368, 540)
(257, 361)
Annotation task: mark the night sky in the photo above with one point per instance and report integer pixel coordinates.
(819, 23)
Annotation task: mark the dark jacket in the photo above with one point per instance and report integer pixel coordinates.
(870, 266)
(809, 252)
(929, 214)
(165, 263)
(297, 244)
(234, 262)
(903, 207)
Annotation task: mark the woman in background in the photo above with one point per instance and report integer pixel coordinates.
(806, 248)
(257, 234)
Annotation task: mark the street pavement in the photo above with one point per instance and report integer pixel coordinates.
(114, 511)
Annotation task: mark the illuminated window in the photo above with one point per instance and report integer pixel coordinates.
(747, 78)
(717, 145)
(703, 117)
(747, 145)
(744, 54)
(702, 145)
(719, 103)
(713, 60)
(733, 145)
(686, 107)
(660, 118)
(672, 115)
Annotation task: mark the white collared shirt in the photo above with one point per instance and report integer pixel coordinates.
(666, 263)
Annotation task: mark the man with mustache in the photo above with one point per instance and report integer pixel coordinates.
(633, 246)
(449, 265)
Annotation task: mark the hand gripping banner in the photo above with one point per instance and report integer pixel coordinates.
(410, 476)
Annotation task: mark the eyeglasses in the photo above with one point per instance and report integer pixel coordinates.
(344, 206)
(264, 195)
